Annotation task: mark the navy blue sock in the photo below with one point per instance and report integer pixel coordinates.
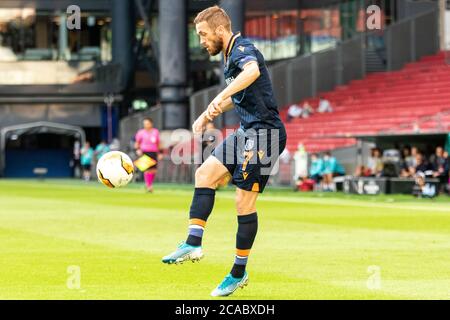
(201, 207)
(247, 229)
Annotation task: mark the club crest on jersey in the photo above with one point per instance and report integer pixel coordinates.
(241, 48)
(249, 144)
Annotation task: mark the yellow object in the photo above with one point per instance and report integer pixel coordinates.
(255, 187)
(144, 163)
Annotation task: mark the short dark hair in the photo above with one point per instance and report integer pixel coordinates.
(215, 16)
(148, 119)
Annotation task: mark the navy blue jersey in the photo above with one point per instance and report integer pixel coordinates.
(255, 105)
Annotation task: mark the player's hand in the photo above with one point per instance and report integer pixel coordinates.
(215, 107)
(139, 152)
(160, 156)
(199, 124)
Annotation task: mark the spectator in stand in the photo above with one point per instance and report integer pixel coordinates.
(439, 165)
(447, 169)
(316, 168)
(423, 189)
(406, 152)
(409, 163)
(314, 175)
(422, 165)
(87, 156)
(374, 166)
(413, 156)
(331, 168)
(362, 171)
(375, 163)
(324, 106)
(307, 110)
(294, 111)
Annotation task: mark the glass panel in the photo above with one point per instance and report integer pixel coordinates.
(30, 35)
(275, 34)
(17, 28)
(321, 28)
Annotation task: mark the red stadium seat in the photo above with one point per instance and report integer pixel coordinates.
(414, 98)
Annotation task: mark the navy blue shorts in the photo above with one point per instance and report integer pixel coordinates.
(250, 156)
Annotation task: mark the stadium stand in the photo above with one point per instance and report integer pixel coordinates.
(414, 98)
(383, 102)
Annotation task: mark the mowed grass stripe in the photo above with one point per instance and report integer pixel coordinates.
(373, 217)
(293, 257)
(117, 274)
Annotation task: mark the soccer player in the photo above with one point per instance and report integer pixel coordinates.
(248, 154)
(148, 142)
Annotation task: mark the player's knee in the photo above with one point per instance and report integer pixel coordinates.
(202, 178)
(244, 208)
(243, 205)
(199, 174)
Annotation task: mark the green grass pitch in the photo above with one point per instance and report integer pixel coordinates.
(309, 246)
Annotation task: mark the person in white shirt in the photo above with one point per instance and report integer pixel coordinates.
(324, 106)
(293, 112)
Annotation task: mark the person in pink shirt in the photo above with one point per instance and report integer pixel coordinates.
(147, 142)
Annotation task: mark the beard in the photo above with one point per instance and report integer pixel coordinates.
(216, 47)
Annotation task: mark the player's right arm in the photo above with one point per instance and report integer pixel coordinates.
(207, 115)
(225, 106)
(199, 125)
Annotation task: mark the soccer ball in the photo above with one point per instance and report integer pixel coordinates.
(115, 169)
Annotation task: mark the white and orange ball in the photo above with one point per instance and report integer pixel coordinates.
(115, 169)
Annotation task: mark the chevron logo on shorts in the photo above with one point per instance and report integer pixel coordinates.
(260, 154)
(245, 175)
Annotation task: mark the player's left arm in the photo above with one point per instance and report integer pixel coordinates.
(250, 72)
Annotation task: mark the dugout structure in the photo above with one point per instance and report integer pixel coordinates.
(27, 149)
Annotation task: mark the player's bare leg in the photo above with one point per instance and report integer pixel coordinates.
(207, 176)
(247, 228)
(245, 202)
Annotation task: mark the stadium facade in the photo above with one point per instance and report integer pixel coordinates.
(129, 56)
